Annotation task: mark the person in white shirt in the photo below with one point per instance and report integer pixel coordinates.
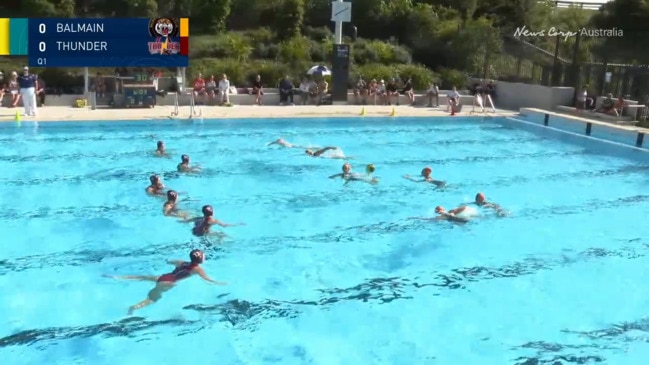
(224, 90)
(453, 99)
(380, 93)
(304, 91)
(433, 93)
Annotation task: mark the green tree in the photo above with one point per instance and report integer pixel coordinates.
(289, 19)
(631, 17)
(212, 15)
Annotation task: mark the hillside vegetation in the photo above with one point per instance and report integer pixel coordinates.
(446, 40)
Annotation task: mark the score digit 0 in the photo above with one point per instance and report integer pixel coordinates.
(41, 28)
(41, 46)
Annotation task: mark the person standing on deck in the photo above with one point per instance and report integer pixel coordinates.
(28, 83)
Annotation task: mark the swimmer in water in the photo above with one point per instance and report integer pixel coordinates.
(203, 225)
(170, 207)
(426, 173)
(283, 143)
(347, 175)
(182, 271)
(184, 166)
(160, 150)
(321, 151)
(451, 215)
(156, 188)
(481, 201)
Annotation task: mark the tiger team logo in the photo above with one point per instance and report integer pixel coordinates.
(164, 30)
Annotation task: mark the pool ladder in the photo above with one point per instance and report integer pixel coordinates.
(194, 111)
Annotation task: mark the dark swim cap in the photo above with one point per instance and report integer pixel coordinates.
(172, 195)
(196, 256)
(184, 158)
(160, 143)
(208, 211)
(154, 179)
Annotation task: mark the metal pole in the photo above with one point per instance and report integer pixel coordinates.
(86, 77)
(339, 30)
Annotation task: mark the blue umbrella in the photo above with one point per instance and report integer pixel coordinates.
(319, 70)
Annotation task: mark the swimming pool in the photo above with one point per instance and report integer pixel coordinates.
(324, 273)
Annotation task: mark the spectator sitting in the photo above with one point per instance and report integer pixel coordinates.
(371, 89)
(257, 90)
(380, 93)
(3, 87)
(286, 91)
(607, 106)
(360, 92)
(224, 90)
(453, 100)
(313, 91)
(433, 93)
(304, 91)
(14, 89)
(392, 92)
(40, 91)
(323, 90)
(210, 88)
(407, 91)
(199, 89)
(619, 106)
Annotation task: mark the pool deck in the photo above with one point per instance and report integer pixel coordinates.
(54, 113)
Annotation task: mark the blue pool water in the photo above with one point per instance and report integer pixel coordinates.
(324, 273)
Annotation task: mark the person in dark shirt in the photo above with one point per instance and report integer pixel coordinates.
(407, 91)
(286, 91)
(257, 90)
(391, 91)
(28, 85)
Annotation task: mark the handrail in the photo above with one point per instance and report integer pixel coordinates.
(175, 112)
(192, 109)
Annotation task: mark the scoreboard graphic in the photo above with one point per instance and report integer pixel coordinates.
(112, 42)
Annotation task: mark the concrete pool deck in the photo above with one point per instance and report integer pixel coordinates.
(55, 113)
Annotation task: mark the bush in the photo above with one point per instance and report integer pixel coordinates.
(230, 45)
(365, 52)
(295, 51)
(318, 33)
(420, 75)
(450, 78)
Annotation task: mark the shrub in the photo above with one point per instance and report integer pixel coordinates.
(260, 35)
(318, 33)
(294, 51)
(450, 78)
(365, 52)
(420, 75)
(232, 45)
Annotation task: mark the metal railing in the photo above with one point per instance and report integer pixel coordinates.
(195, 111)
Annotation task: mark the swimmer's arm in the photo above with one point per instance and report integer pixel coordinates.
(457, 210)
(176, 262)
(222, 224)
(204, 276)
(408, 177)
(336, 176)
